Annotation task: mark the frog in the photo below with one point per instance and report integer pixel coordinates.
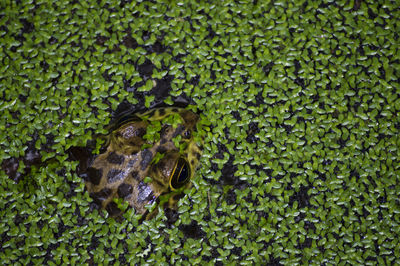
(145, 155)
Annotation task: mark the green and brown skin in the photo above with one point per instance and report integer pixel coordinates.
(121, 170)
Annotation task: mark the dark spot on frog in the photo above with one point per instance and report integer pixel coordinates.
(135, 175)
(147, 156)
(164, 130)
(115, 158)
(124, 190)
(114, 175)
(131, 163)
(160, 165)
(162, 112)
(163, 141)
(140, 132)
(102, 195)
(161, 150)
(192, 162)
(113, 209)
(178, 131)
(94, 175)
(175, 110)
(145, 193)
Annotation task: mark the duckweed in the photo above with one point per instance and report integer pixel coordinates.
(299, 104)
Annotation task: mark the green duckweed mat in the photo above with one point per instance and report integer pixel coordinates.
(300, 102)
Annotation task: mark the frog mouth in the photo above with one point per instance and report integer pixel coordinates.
(180, 174)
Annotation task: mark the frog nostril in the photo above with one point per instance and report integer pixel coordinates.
(187, 134)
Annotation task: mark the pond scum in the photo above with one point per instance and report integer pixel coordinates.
(299, 102)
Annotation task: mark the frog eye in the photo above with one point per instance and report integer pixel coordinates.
(180, 175)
